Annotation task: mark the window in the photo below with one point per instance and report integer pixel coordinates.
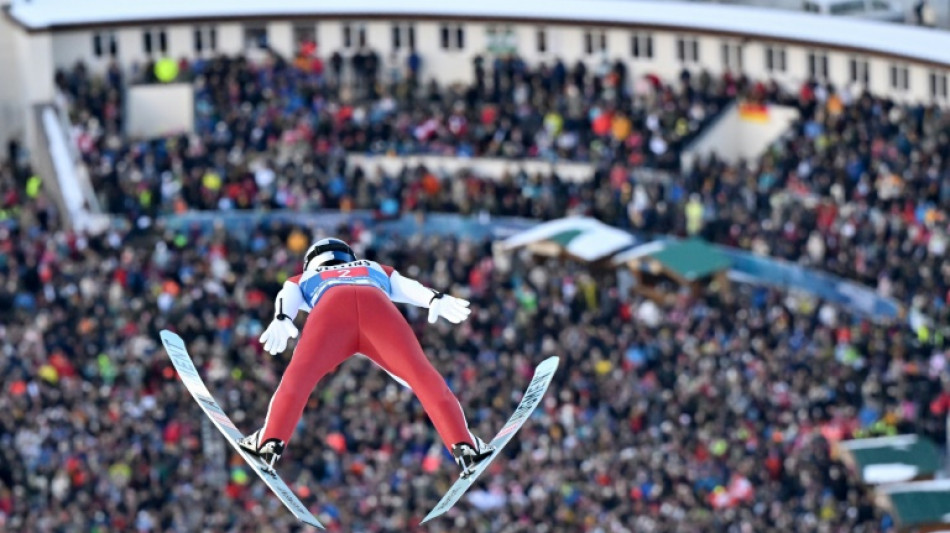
(687, 49)
(595, 41)
(859, 71)
(732, 56)
(775, 59)
(103, 42)
(255, 37)
(900, 77)
(206, 38)
(641, 45)
(404, 36)
(453, 37)
(818, 65)
(852, 7)
(938, 85)
(354, 35)
(501, 40)
(153, 38)
(541, 39)
(305, 34)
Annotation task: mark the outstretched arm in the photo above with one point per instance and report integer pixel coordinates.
(282, 328)
(289, 300)
(410, 291)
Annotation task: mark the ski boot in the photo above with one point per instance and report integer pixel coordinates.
(468, 457)
(269, 451)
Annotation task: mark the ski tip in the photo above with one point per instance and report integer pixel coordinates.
(171, 340)
(550, 364)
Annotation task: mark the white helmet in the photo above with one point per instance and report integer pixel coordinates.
(328, 252)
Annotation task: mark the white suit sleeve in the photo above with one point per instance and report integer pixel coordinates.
(409, 291)
(289, 300)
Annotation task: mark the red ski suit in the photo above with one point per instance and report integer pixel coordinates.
(352, 312)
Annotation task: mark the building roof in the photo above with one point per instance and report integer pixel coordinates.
(891, 459)
(692, 259)
(582, 237)
(890, 39)
(918, 504)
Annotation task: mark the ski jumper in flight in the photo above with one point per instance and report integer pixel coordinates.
(351, 310)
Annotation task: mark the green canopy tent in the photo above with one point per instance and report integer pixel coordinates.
(920, 506)
(891, 459)
(692, 263)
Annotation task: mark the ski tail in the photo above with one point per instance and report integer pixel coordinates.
(543, 374)
(185, 367)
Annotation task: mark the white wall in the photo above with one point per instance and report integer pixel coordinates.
(12, 113)
(564, 41)
(231, 38)
(35, 73)
(838, 66)
(280, 37)
(489, 167)
(379, 37)
(919, 84)
(527, 40)
(158, 110)
(69, 47)
(453, 64)
(181, 41)
(329, 36)
(664, 49)
(733, 138)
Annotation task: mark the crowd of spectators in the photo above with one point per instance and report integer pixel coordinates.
(263, 130)
(714, 413)
(700, 414)
(856, 186)
(860, 187)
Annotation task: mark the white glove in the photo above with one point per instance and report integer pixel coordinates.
(277, 334)
(448, 307)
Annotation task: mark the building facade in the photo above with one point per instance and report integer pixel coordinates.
(909, 64)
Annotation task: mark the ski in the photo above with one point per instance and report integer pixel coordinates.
(196, 386)
(543, 374)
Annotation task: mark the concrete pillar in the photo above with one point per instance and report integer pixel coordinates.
(33, 54)
(12, 111)
(280, 38)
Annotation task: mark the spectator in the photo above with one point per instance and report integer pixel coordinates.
(705, 412)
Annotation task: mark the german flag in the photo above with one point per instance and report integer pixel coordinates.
(754, 112)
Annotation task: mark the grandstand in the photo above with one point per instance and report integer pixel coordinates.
(729, 223)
